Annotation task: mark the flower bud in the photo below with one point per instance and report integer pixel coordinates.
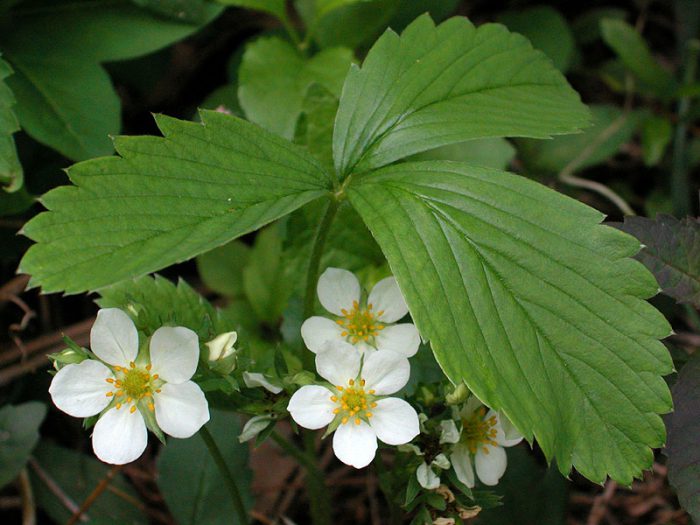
(222, 354)
(69, 356)
(459, 395)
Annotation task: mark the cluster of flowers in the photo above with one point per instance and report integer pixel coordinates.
(361, 354)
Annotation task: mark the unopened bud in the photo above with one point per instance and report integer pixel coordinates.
(458, 395)
(222, 354)
(69, 356)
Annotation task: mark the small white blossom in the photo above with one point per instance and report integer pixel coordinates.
(367, 326)
(481, 443)
(124, 387)
(356, 404)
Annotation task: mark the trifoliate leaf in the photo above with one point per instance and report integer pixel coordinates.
(314, 128)
(490, 153)
(65, 99)
(166, 200)
(434, 86)
(274, 78)
(10, 168)
(671, 252)
(533, 303)
(683, 448)
(153, 302)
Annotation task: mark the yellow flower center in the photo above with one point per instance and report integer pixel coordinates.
(133, 384)
(360, 324)
(354, 402)
(479, 432)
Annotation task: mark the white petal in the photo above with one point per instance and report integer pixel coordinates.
(119, 436)
(400, 338)
(449, 432)
(355, 445)
(462, 463)
(490, 465)
(385, 372)
(181, 409)
(311, 407)
(338, 362)
(174, 353)
(113, 337)
(506, 434)
(394, 421)
(316, 331)
(80, 390)
(255, 379)
(387, 298)
(426, 477)
(472, 405)
(337, 290)
(364, 348)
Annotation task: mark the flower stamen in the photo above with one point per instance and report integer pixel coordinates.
(359, 324)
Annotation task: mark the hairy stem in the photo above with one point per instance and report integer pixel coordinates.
(226, 474)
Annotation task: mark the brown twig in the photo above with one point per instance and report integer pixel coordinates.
(98, 490)
(55, 489)
(600, 504)
(28, 505)
(79, 332)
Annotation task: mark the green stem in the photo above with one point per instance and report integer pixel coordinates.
(316, 485)
(226, 474)
(680, 186)
(296, 453)
(291, 30)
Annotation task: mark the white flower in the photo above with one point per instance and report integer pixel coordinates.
(482, 440)
(356, 404)
(130, 388)
(367, 327)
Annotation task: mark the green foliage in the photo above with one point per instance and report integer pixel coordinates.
(611, 128)
(586, 28)
(65, 99)
(491, 153)
(634, 53)
(153, 302)
(190, 11)
(274, 78)
(671, 252)
(501, 275)
(656, 136)
(221, 268)
(543, 503)
(78, 475)
(315, 126)
(166, 200)
(273, 7)
(203, 499)
(548, 31)
(19, 434)
(683, 427)
(434, 86)
(11, 175)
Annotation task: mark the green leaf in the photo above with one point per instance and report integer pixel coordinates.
(586, 28)
(166, 200)
(190, 11)
(77, 475)
(323, 7)
(434, 86)
(611, 129)
(153, 302)
(491, 153)
(264, 279)
(315, 126)
(19, 434)
(683, 449)
(64, 97)
(274, 7)
(274, 78)
(543, 503)
(11, 175)
(671, 252)
(548, 31)
(221, 269)
(656, 136)
(634, 53)
(533, 303)
(352, 25)
(203, 499)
